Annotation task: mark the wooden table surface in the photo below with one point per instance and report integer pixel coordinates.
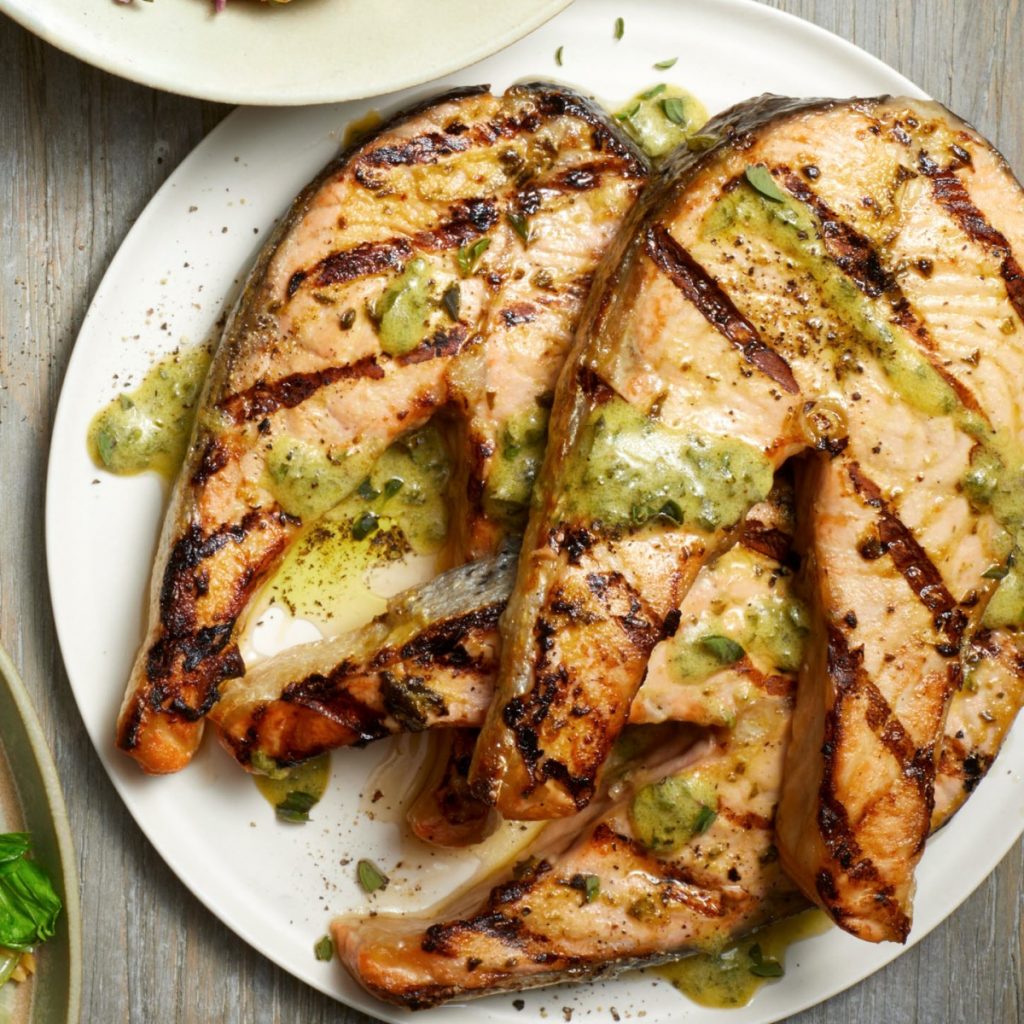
(81, 153)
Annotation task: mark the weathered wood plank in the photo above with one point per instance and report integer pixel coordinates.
(81, 153)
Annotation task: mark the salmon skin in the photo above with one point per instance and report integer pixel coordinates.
(768, 299)
(459, 239)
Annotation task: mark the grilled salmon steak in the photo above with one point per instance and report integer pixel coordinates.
(771, 299)
(460, 238)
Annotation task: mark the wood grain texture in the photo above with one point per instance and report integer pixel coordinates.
(81, 153)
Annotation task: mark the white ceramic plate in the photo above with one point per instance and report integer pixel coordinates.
(309, 51)
(280, 885)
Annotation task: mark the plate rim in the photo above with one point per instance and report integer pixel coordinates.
(988, 858)
(32, 18)
(11, 680)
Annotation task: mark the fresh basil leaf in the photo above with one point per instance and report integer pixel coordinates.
(14, 845)
(761, 180)
(592, 888)
(723, 648)
(664, 65)
(29, 905)
(371, 878)
(295, 807)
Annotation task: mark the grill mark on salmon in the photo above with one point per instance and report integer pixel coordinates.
(952, 196)
(266, 397)
(468, 220)
(855, 255)
(716, 307)
(913, 562)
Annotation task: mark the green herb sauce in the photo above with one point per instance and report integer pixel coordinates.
(403, 311)
(308, 480)
(732, 976)
(148, 428)
(629, 470)
(309, 778)
(396, 505)
(668, 814)
(662, 117)
(514, 470)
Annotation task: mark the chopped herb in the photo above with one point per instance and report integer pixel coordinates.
(763, 967)
(723, 648)
(700, 143)
(452, 300)
(588, 885)
(371, 878)
(760, 179)
(671, 511)
(468, 256)
(620, 28)
(347, 319)
(324, 949)
(367, 491)
(393, 486)
(705, 819)
(364, 526)
(558, 55)
(673, 108)
(630, 111)
(656, 90)
(664, 65)
(521, 226)
(995, 572)
(295, 807)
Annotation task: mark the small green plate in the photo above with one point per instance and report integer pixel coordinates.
(31, 801)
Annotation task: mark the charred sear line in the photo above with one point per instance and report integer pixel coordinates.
(330, 698)
(949, 192)
(440, 344)
(854, 254)
(765, 540)
(443, 643)
(266, 397)
(467, 220)
(845, 668)
(911, 560)
(362, 260)
(716, 307)
(851, 251)
(214, 458)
